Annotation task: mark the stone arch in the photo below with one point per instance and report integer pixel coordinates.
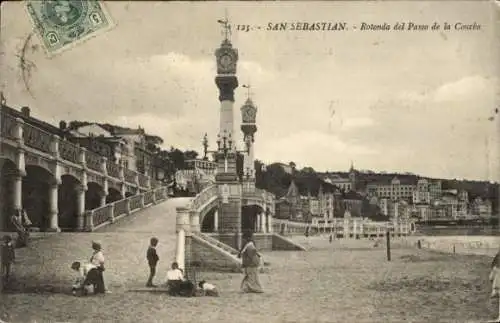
(7, 158)
(68, 202)
(93, 196)
(208, 207)
(249, 214)
(207, 223)
(35, 195)
(113, 195)
(8, 170)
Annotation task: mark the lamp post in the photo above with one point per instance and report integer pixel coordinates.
(248, 173)
(224, 147)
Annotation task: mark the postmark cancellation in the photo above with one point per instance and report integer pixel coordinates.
(61, 24)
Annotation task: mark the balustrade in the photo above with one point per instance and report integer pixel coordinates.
(113, 169)
(149, 197)
(102, 215)
(37, 138)
(8, 126)
(69, 151)
(93, 161)
(143, 180)
(204, 196)
(120, 208)
(160, 194)
(129, 175)
(107, 213)
(135, 202)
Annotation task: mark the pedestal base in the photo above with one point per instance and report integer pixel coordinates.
(53, 230)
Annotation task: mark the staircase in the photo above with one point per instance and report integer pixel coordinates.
(112, 212)
(216, 255)
(211, 254)
(217, 243)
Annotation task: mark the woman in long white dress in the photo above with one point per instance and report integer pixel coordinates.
(250, 263)
(495, 281)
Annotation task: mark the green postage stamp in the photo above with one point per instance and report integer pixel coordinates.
(62, 24)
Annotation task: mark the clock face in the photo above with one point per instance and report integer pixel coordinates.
(249, 115)
(226, 60)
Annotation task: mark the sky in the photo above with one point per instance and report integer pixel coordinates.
(402, 101)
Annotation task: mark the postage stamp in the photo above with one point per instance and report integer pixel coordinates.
(61, 24)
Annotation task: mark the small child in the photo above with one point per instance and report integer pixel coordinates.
(86, 280)
(153, 259)
(8, 257)
(208, 289)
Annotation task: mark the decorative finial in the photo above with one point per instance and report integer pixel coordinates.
(248, 87)
(226, 27)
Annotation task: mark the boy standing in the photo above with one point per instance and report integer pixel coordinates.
(153, 259)
(8, 256)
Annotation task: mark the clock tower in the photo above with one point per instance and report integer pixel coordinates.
(229, 186)
(249, 128)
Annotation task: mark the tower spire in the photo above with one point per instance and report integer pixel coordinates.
(249, 93)
(226, 27)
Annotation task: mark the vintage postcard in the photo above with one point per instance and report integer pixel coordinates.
(279, 161)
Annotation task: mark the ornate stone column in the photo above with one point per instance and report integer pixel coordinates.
(194, 221)
(102, 202)
(18, 192)
(257, 222)
(53, 208)
(80, 207)
(216, 221)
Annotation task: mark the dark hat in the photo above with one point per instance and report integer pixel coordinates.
(96, 245)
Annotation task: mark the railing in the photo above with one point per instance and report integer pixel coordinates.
(340, 225)
(129, 175)
(102, 214)
(149, 197)
(161, 194)
(37, 138)
(113, 169)
(110, 212)
(120, 207)
(143, 180)
(8, 126)
(136, 202)
(204, 196)
(69, 151)
(216, 242)
(93, 161)
(41, 140)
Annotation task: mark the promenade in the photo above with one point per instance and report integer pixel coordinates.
(338, 282)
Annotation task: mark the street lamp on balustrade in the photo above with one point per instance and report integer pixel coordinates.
(225, 146)
(249, 173)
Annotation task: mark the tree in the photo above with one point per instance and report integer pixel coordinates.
(190, 154)
(177, 158)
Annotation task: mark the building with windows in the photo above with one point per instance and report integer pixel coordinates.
(435, 189)
(481, 207)
(396, 189)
